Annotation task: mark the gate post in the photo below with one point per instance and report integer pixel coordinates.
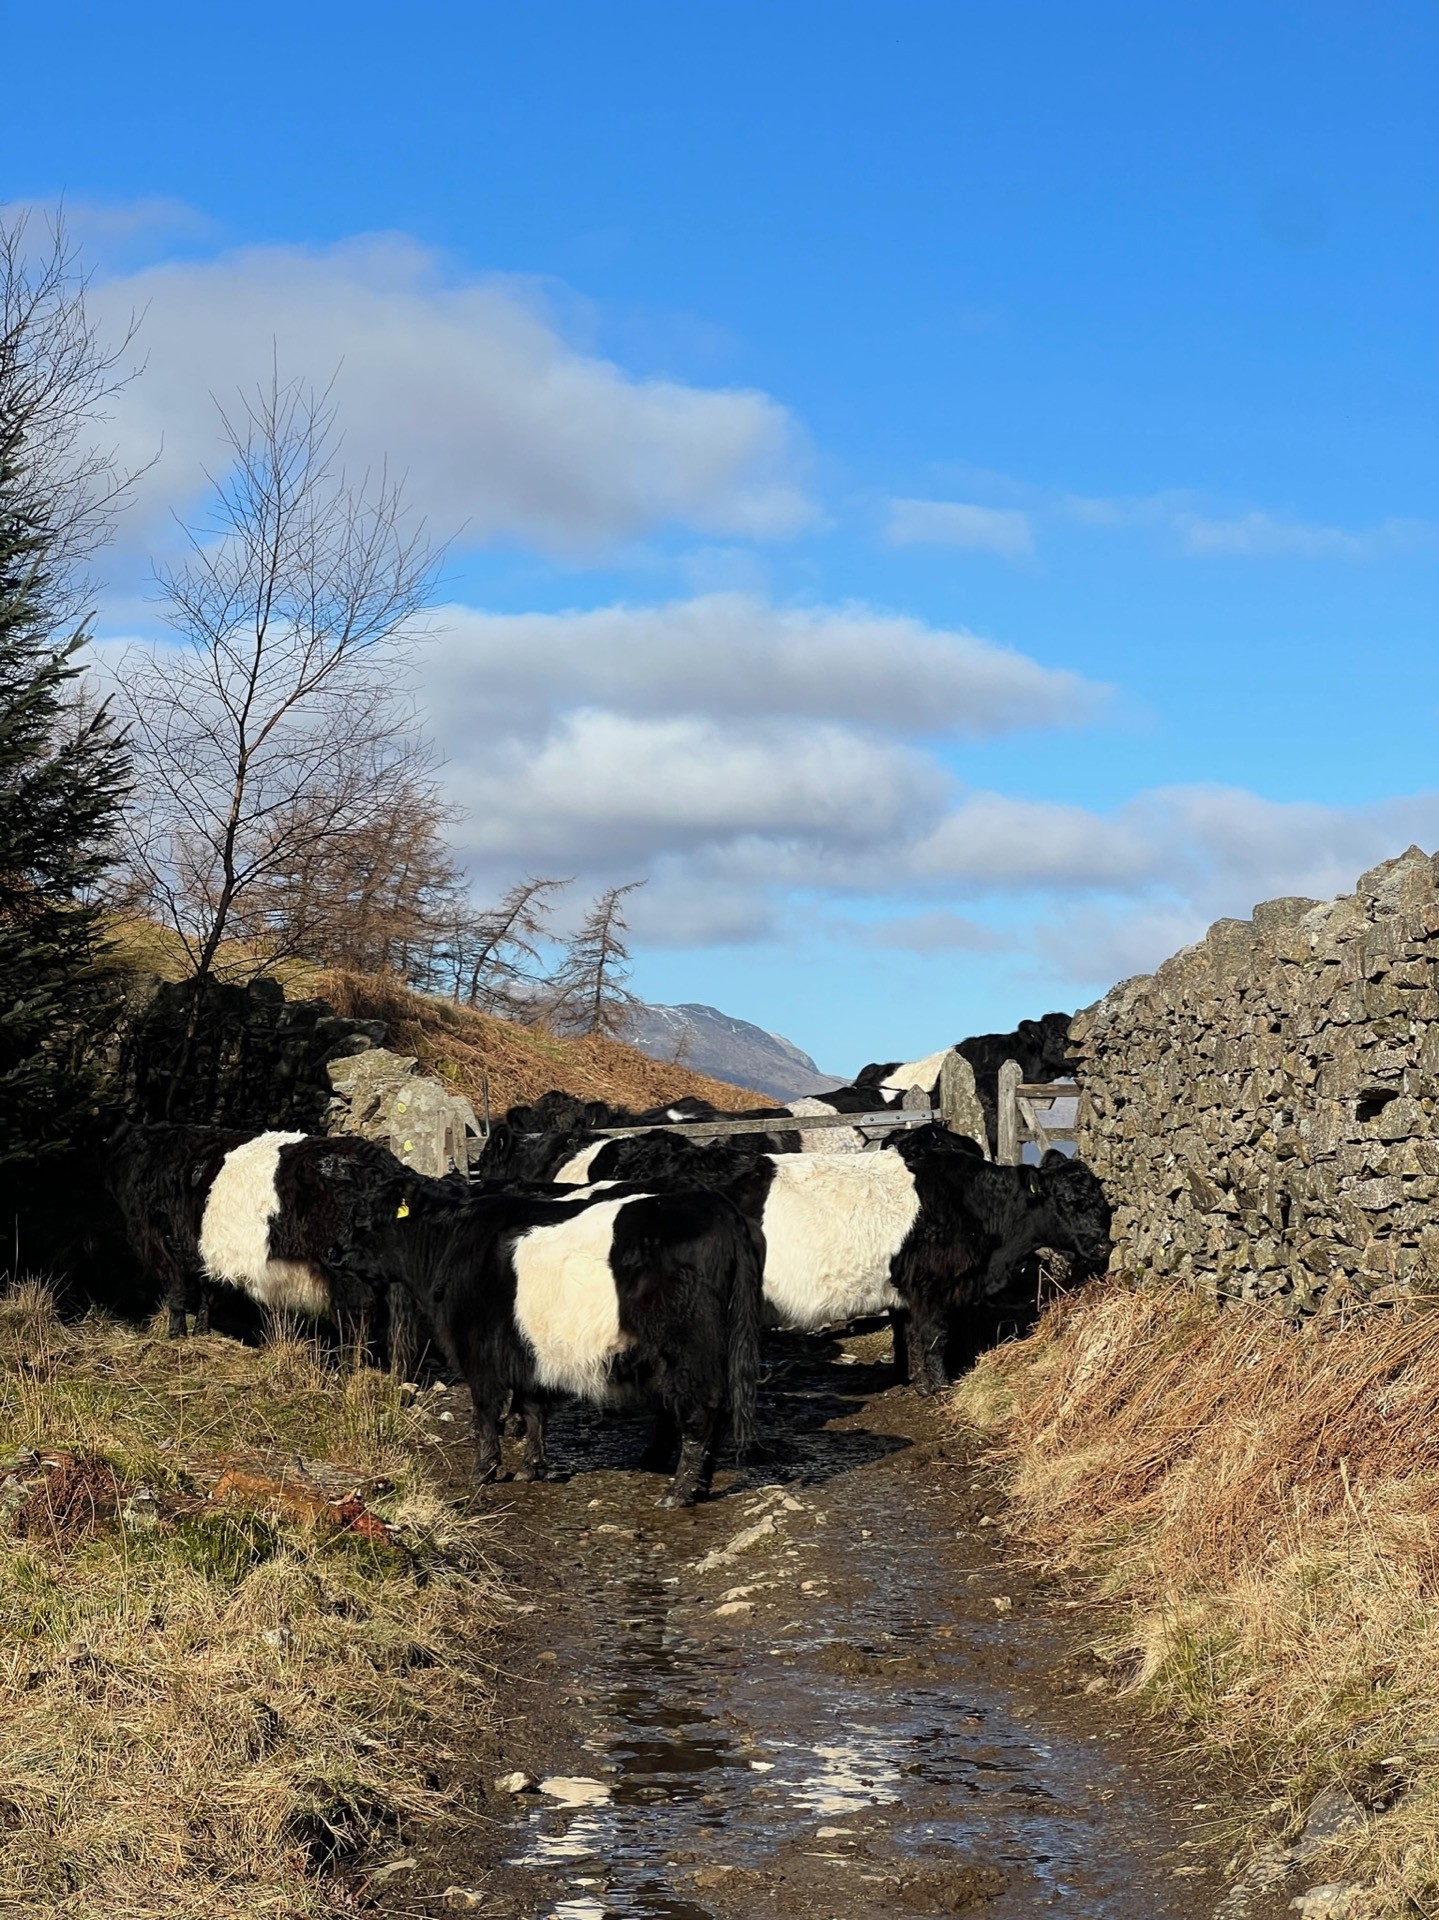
(1009, 1150)
(960, 1108)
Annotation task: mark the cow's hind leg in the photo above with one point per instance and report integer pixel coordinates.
(928, 1332)
(899, 1329)
(659, 1455)
(698, 1429)
(534, 1461)
(487, 1434)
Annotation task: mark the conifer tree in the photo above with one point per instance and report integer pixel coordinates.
(62, 783)
(587, 992)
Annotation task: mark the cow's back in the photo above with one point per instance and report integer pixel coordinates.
(832, 1226)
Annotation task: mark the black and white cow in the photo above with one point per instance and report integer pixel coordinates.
(268, 1215)
(1041, 1048)
(920, 1228)
(600, 1295)
(533, 1142)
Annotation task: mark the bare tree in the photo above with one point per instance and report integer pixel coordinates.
(587, 992)
(490, 957)
(283, 723)
(57, 373)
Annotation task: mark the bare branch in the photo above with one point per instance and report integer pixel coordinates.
(58, 373)
(278, 740)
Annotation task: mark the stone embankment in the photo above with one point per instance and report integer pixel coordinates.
(1262, 1107)
(248, 1056)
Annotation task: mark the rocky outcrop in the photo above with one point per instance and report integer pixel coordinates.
(1262, 1108)
(383, 1096)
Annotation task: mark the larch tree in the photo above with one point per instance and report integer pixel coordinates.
(587, 992)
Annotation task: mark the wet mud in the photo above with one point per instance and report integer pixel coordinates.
(828, 1691)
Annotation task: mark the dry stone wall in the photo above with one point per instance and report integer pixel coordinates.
(247, 1056)
(1262, 1108)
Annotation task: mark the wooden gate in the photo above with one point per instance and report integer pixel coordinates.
(1027, 1114)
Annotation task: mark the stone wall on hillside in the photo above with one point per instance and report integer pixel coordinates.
(1262, 1108)
(258, 1060)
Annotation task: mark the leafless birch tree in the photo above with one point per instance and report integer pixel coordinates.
(57, 372)
(283, 721)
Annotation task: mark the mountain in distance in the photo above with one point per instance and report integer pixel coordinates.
(716, 1043)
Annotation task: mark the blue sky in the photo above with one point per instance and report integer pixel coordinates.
(772, 351)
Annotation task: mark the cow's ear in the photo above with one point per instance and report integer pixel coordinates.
(1032, 1182)
(1054, 1158)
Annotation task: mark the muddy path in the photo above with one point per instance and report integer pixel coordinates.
(829, 1691)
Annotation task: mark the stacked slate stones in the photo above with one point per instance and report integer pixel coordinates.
(1262, 1108)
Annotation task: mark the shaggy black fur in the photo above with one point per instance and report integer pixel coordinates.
(331, 1191)
(686, 1272)
(977, 1221)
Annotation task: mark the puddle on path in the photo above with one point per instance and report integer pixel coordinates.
(860, 1749)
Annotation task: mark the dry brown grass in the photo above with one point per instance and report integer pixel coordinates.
(206, 1709)
(522, 1062)
(1261, 1502)
(455, 1042)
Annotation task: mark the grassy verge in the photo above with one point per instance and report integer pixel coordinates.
(1260, 1504)
(214, 1700)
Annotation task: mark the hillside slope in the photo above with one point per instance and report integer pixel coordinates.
(463, 1046)
(454, 1042)
(718, 1043)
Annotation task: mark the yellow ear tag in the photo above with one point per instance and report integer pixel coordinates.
(402, 1212)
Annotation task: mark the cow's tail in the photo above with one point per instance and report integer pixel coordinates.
(745, 1317)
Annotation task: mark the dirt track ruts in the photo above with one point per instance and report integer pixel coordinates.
(828, 1691)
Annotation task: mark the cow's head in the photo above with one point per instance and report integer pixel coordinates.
(1079, 1214)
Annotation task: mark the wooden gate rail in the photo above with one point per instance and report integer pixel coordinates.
(775, 1123)
(1020, 1118)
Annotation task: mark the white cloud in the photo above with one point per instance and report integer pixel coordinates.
(954, 523)
(761, 766)
(937, 932)
(1268, 536)
(466, 385)
(606, 788)
(992, 843)
(737, 656)
(1212, 850)
(1254, 535)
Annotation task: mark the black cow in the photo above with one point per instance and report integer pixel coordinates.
(921, 1228)
(598, 1295)
(534, 1142)
(268, 1214)
(1040, 1046)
